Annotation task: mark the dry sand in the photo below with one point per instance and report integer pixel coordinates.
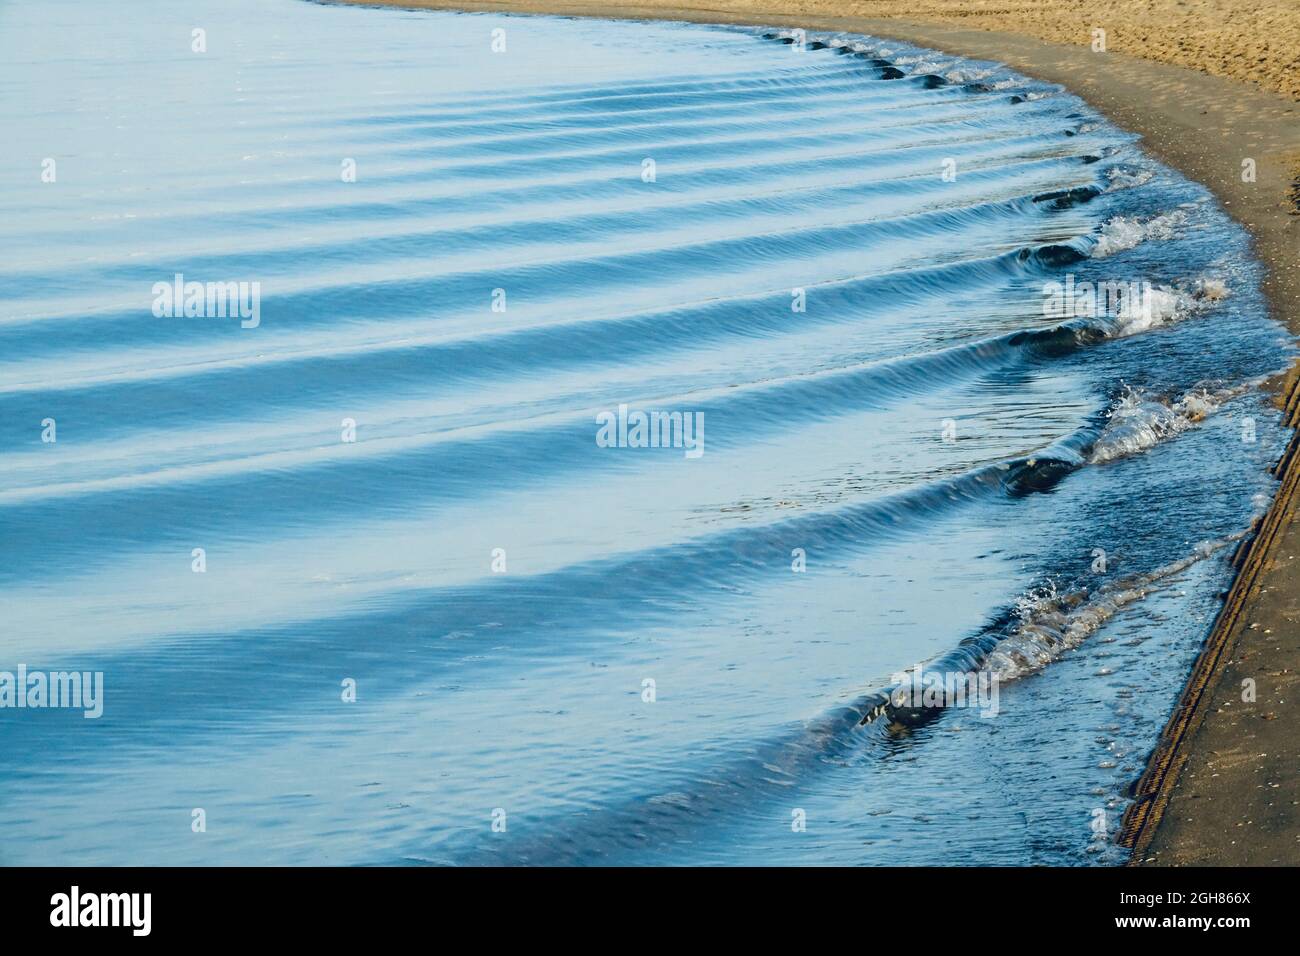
(1253, 40)
(1223, 787)
(1257, 41)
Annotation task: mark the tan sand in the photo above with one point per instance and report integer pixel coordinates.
(1256, 41)
(1223, 787)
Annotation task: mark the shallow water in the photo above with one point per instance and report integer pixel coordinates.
(614, 654)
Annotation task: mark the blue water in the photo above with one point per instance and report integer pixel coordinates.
(564, 652)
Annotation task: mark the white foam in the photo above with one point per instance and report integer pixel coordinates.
(973, 75)
(1121, 178)
(1122, 232)
(1137, 422)
(1164, 305)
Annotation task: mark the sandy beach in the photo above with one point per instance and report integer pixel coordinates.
(1212, 88)
(1255, 41)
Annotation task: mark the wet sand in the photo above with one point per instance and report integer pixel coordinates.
(1223, 786)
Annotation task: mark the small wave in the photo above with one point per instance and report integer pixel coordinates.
(1164, 305)
(1049, 622)
(1137, 309)
(1069, 198)
(1044, 623)
(1122, 177)
(1123, 232)
(1137, 421)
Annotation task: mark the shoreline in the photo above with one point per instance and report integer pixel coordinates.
(1221, 786)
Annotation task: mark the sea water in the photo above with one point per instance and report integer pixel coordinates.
(485, 439)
